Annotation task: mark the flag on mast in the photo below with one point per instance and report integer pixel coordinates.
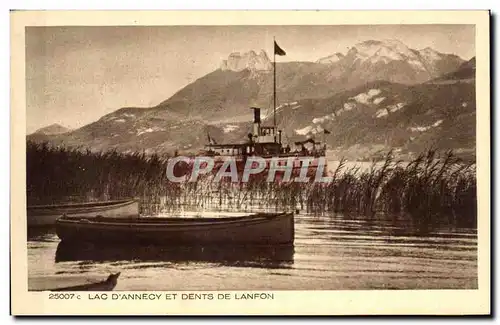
(278, 50)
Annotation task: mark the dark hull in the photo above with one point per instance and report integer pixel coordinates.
(107, 285)
(100, 286)
(276, 256)
(259, 229)
(282, 172)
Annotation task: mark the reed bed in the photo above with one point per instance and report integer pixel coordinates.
(429, 188)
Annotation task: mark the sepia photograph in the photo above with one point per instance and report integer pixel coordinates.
(251, 158)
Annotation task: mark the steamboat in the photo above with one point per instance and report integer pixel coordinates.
(265, 141)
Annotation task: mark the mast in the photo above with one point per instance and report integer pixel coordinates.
(274, 88)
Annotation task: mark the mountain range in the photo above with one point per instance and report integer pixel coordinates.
(379, 95)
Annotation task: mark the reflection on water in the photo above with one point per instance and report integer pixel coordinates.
(330, 252)
(268, 257)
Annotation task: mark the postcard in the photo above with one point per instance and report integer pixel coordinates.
(250, 163)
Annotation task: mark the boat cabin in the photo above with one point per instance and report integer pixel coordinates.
(310, 146)
(226, 149)
(264, 141)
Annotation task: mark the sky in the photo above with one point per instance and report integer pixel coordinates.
(75, 75)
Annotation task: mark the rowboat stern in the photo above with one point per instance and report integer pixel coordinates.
(287, 228)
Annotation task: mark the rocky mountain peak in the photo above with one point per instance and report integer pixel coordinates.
(428, 49)
(430, 54)
(331, 58)
(391, 59)
(385, 50)
(52, 129)
(252, 61)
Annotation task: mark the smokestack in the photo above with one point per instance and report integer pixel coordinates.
(256, 121)
(256, 115)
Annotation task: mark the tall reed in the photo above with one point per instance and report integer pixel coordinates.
(427, 188)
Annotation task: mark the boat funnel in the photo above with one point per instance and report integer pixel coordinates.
(256, 114)
(256, 121)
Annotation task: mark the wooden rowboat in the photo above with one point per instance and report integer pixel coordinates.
(254, 229)
(45, 215)
(107, 285)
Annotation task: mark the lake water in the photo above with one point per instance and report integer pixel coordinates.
(332, 252)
